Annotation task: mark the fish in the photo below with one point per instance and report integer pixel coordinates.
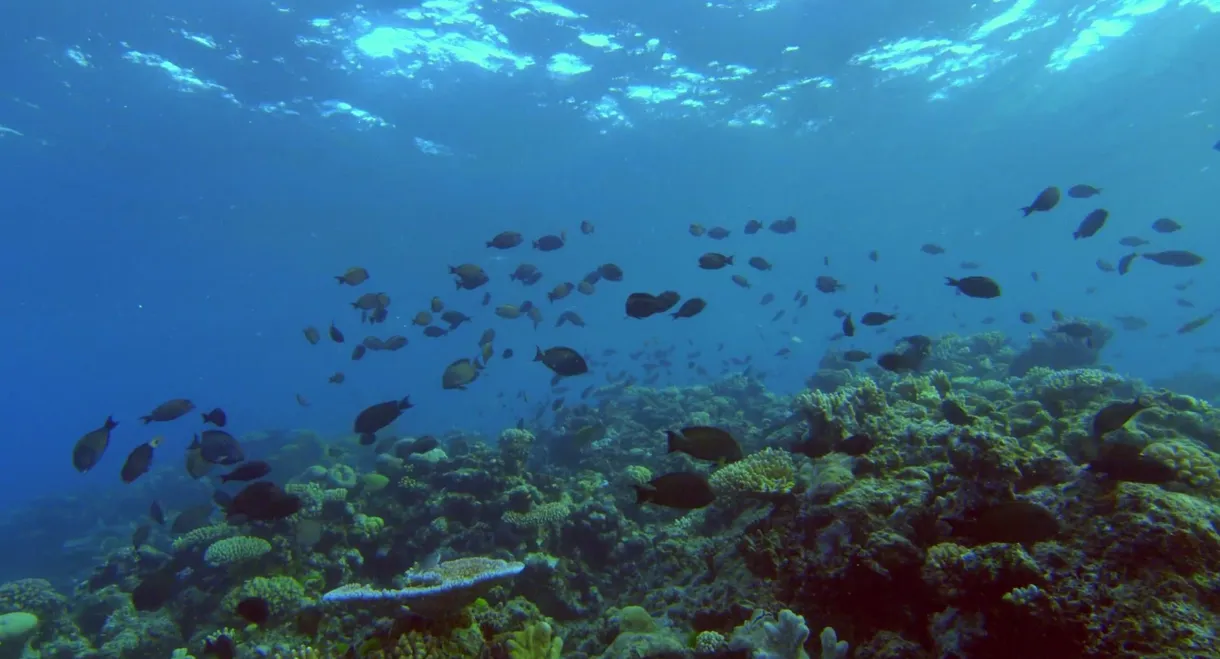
(1123, 461)
(89, 448)
(766, 299)
(196, 466)
(681, 490)
(138, 462)
(1132, 241)
(696, 229)
(690, 308)
(336, 378)
(1104, 265)
(220, 646)
(1083, 191)
(262, 501)
(1021, 522)
(560, 291)
(312, 335)
(156, 514)
(469, 276)
(219, 447)
(1178, 258)
(253, 470)
(1116, 415)
(954, 413)
(168, 411)
(759, 263)
(585, 288)
(353, 276)
(1091, 224)
(827, 284)
(587, 227)
(335, 334)
(155, 590)
(784, 226)
(741, 281)
(254, 610)
(432, 331)
(216, 417)
(718, 233)
(358, 352)
(848, 327)
(506, 240)
(1124, 264)
(610, 272)
(932, 248)
(1166, 225)
(1045, 201)
(375, 417)
(525, 272)
(855, 356)
(704, 443)
(459, 374)
(422, 319)
(752, 227)
(550, 243)
(1027, 317)
(976, 287)
(857, 445)
(564, 362)
(1076, 330)
(1195, 323)
(141, 535)
(643, 305)
(508, 353)
(571, 317)
(714, 261)
(486, 298)
(876, 318)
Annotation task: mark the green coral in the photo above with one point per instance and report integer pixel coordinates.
(536, 641)
(236, 550)
(768, 472)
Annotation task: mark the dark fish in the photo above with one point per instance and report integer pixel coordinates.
(718, 233)
(155, 590)
(1045, 201)
(169, 410)
(353, 277)
(371, 301)
(420, 445)
(873, 255)
(222, 499)
(263, 501)
(90, 447)
(335, 334)
(192, 518)
(1083, 191)
(714, 261)
(759, 263)
(1116, 415)
(689, 308)
(564, 362)
(968, 265)
(358, 352)
(784, 226)
(1013, 522)
(1123, 461)
(586, 227)
(827, 284)
(196, 466)
(525, 272)
(216, 417)
(1091, 224)
(560, 291)
(741, 281)
(141, 535)
(219, 447)
(255, 610)
(253, 470)
(610, 272)
(1124, 264)
(704, 443)
(1196, 323)
(876, 318)
(955, 413)
(396, 342)
(1166, 225)
(978, 287)
(1028, 317)
(486, 298)
(1132, 241)
(337, 378)
(375, 417)
(1179, 258)
(696, 229)
(137, 462)
(550, 243)
(767, 298)
(508, 352)
(642, 305)
(506, 240)
(681, 490)
(932, 248)
(302, 401)
(312, 335)
(469, 276)
(1075, 330)
(854, 356)
(435, 332)
(156, 514)
(856, 445)
(1104, 265)
(220, 646)
(752, 227)
(849, 328)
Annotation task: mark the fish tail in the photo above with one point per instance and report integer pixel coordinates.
(729, 260)
(950, 281)
(1027, 210)
(674, 441)
(340, 278)
(205, 418)
(537, 352)
(642, 494)
(405, 403)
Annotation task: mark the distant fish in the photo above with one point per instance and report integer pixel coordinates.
(169, 410)
(876, 318)
(216, 417)
(1178, 258)
(954, 413)
(1123, 461)
(610, 272)
(255, 610)
(752, 227)
(1116, 415)
(1045, 201)
(714, 261)
(312, 335)
(506, 240)
(337, 378)
(587, 227)
(156, 514)
(353, 277)
(219, 447)
(977, 287)
(253, 470)
(263, 501)
(1091, 224)
(932, 248)
(375, 417)
(562, 361)
(1083, 191)
(759, 263)
(681, 490)
(849, 328)
(550, 243)
(718, 233)
(335, 334)
(1166, 225)
(138, 461)
(784, 226)
(196, 466)
(704, 443)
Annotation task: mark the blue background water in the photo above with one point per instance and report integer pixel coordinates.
(162, 243)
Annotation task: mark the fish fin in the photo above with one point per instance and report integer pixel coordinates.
(642, 494)
(674, 441)
(110, 423)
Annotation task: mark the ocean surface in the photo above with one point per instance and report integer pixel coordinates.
(182, 181)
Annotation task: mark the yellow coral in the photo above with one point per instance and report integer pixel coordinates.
(770, 471)
(537, 641)
(638, 474)
(1195, 467)
(540, 515)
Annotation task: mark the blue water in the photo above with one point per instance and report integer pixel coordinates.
(164, 239)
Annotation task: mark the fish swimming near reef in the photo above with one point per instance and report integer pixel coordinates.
(704, 443)
(681, 490)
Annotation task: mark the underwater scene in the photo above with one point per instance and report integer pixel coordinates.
(520, 329)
